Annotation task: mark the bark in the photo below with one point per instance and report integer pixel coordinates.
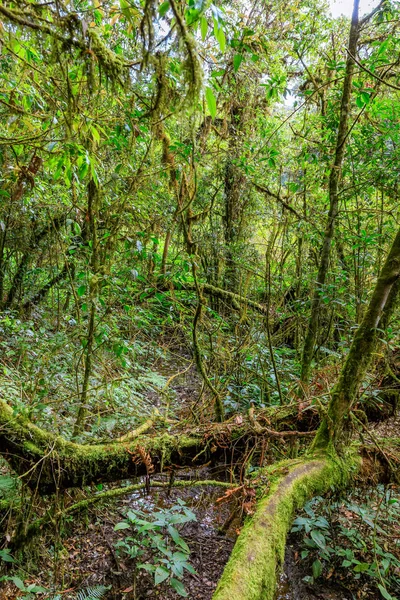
(93, 208)
(312, 331)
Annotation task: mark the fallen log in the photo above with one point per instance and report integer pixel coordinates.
(48, 462)
(250, 573)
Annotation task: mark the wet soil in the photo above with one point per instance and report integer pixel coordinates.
(292, 587)
(89, 558)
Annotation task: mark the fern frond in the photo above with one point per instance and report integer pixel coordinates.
(95, 592)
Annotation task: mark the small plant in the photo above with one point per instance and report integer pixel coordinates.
(27, 592)
(353, 537)
(157, 540)
(96, 592)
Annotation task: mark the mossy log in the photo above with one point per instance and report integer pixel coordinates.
(250, 573)
(48, 462)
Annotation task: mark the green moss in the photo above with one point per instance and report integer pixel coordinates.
(259, 551)
(50, 461)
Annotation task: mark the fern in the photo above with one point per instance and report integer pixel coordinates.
(92, 593)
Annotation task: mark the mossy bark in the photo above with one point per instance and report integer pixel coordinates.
(259, 551)
(49, 462)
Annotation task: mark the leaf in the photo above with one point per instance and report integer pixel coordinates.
(178, 587)
(81, 290)
(385, 593)
(95, 134)
(220, 35)
(203, 28)
(5, 555)
(365, 96)
(211, 102)
(19, 583)
(160, 575)
(237, 61)
(163, 8)
(316, 568)
(177, 538)
(318, 539)
(147, 567)
(361, 568)
(36, 589)
(122, 525)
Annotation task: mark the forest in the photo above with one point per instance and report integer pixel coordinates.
(199, 300)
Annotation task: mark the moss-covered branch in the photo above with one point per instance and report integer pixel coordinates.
(49, 462)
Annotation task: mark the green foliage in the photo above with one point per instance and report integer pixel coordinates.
(96, 592)
(92, 593)
(353, 537)
(28, 592)
(157, 539)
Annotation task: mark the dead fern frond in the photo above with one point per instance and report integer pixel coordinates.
(141, 456)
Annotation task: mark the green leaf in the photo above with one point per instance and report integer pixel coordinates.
(221, 39)
(177, 538)
(163, 8)
(211, 102)
(365, 97)
(203, 28)
(95, 134)
(237, 61)
(122, 525)
(178, 587)
(160, 575)
(361, 568)
(147, 567)
(385, 593)
(5, 555)
(316, 568)
(81, 290)
(36, 589)
(19, 583)
(319, 539)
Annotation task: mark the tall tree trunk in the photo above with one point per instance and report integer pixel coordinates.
(380, 308)
(93, 209)
(234, 182)
(312, 331)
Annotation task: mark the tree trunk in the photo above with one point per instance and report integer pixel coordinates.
(385, 295)
(250, 573)
(312, 331)
(93, 209)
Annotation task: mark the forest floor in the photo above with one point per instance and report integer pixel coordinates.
(88, 555)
